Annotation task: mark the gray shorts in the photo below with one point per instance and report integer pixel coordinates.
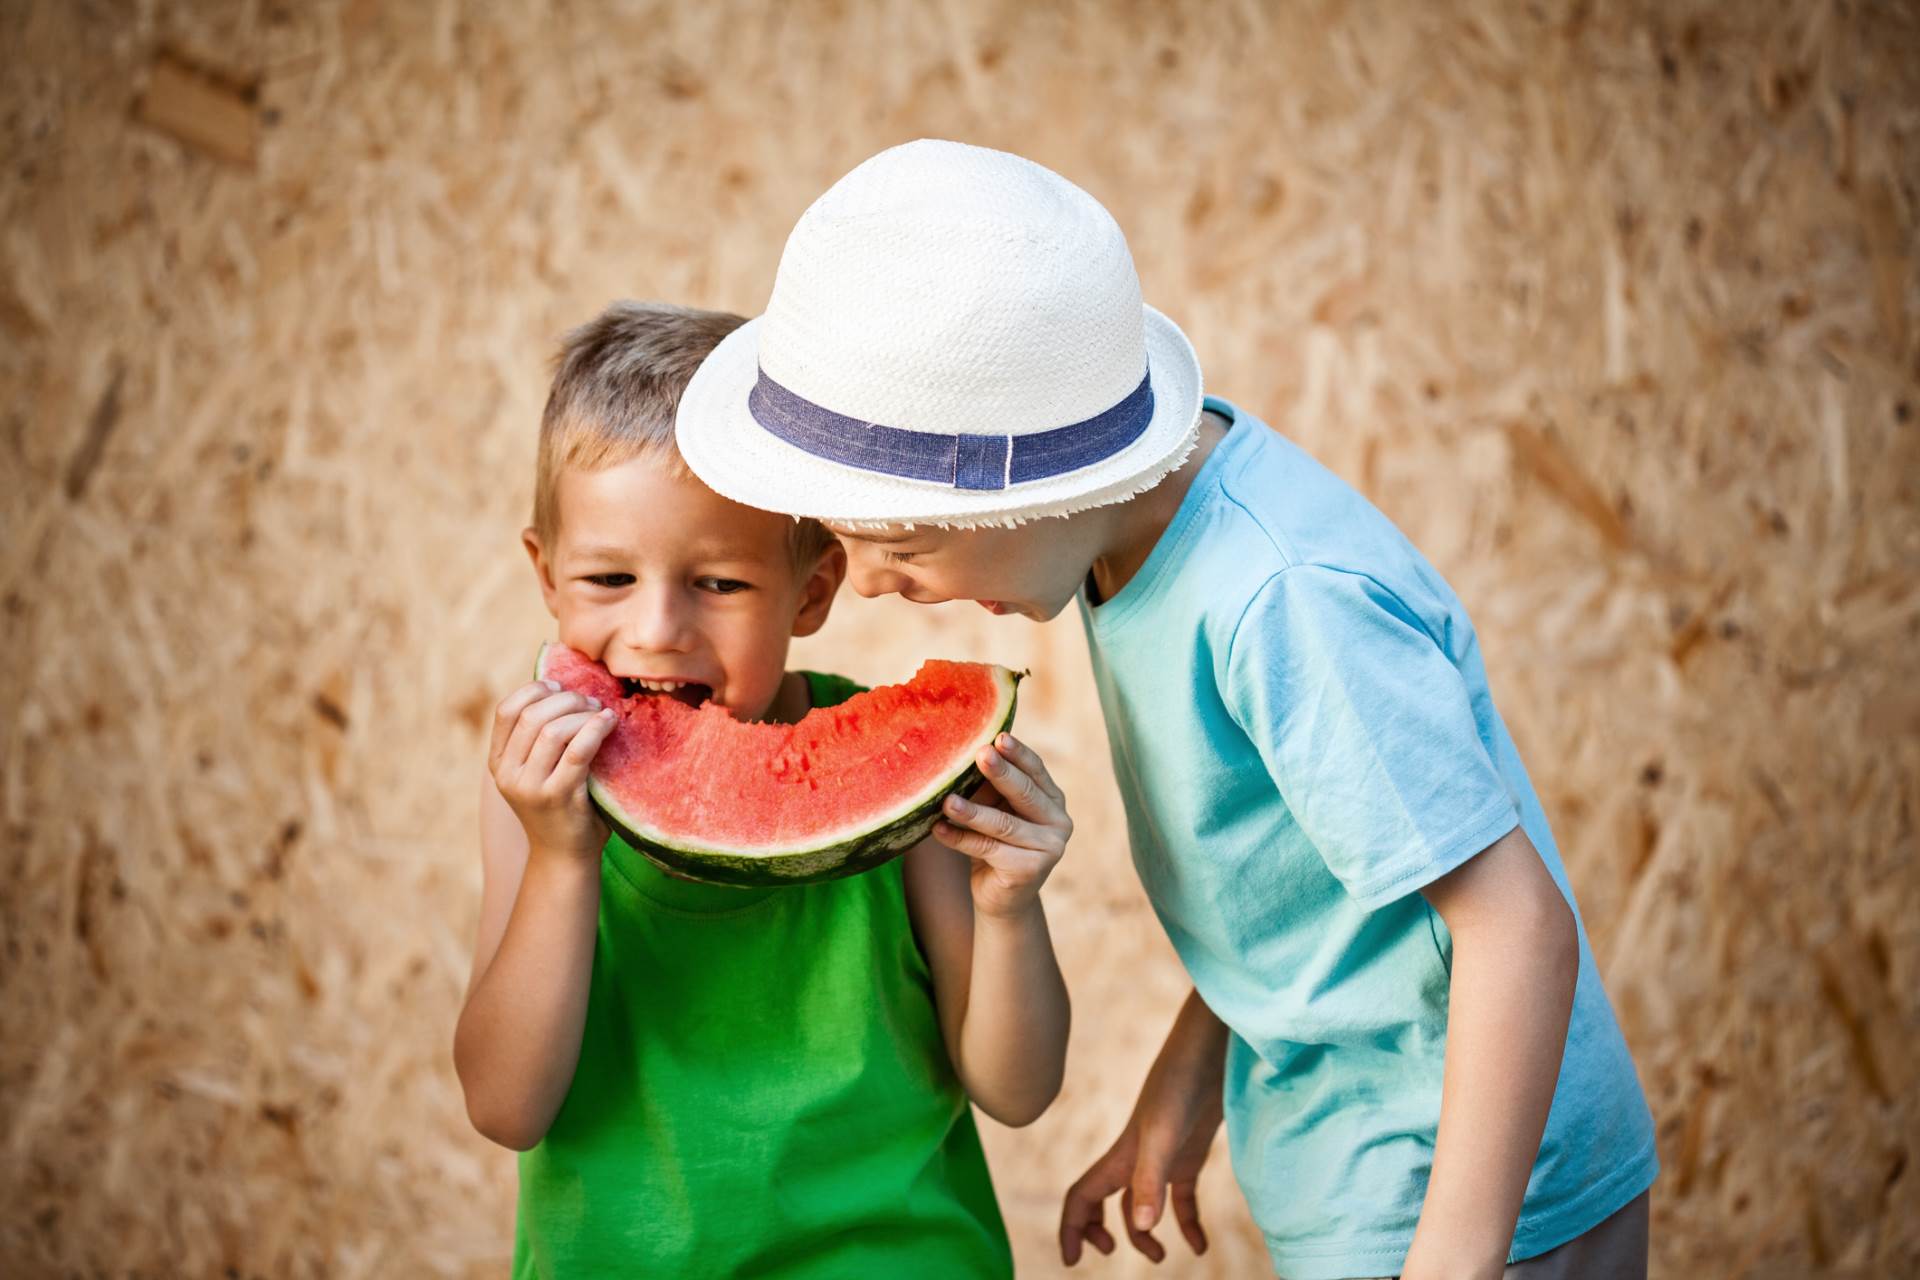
(1614, 1250)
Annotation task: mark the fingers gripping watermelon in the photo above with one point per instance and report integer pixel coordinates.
(713, 798)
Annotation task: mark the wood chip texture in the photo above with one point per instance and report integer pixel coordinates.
(1610, 306)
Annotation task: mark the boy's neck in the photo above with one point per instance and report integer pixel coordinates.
(1138, 523)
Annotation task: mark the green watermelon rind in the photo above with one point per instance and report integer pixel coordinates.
(863, 851)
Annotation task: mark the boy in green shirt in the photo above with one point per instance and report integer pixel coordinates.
(1395, 1007)
(707, 1080)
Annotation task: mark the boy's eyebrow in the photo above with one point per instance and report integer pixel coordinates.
(606, 551)
(713, 549)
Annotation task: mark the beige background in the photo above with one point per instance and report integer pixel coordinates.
(1610, 305)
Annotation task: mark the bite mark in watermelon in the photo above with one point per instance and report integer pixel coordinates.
(845, 789)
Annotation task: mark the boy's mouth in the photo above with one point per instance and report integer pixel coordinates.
(688, 692)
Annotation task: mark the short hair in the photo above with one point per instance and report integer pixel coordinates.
(617, 383)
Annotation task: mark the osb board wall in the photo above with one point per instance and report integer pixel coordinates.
(1610, 306)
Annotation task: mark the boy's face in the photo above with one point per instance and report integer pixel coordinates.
(663, 580)
(1033, 570)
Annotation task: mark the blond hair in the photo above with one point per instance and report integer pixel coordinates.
(617, 383)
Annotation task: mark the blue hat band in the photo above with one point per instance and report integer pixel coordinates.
(962, 461)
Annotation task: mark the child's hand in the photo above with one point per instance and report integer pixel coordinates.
(1162, 1149)
(543, 741)
(1015, 828)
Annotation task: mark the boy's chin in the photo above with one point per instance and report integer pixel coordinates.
(1007, 609)
(1039, 612)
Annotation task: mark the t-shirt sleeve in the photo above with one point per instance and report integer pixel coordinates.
(1367, 729)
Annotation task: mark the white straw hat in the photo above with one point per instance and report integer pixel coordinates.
(955, 337)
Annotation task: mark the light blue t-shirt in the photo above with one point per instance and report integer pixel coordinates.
(1303, 736)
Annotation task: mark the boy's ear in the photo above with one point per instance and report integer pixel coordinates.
(530, 539)
(822, 585)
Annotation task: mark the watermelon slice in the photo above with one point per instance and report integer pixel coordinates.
(713, 798)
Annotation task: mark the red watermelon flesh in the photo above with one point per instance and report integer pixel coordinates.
(845, 788)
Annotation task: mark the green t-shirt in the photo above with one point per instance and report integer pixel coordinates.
(762, 1090)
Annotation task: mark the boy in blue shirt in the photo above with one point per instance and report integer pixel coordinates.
(1395, 1005)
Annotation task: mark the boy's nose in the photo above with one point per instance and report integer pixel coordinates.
(872, 581)
(659, 623)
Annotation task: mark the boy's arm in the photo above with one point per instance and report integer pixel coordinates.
(518, 1038)
(997, 986)
(1516, 958)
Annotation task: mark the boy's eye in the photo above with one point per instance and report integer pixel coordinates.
(723, 586)
(901, 557)
(611, 579)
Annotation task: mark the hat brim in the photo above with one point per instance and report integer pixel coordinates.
(739, 459)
